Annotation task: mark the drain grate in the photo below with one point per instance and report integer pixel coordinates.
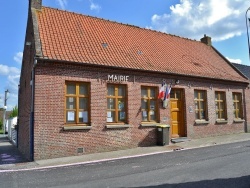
(80, 150)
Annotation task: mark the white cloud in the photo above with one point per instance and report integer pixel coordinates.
(94, 6)
(62, 3)
(238, 61)
(18, 57)
(221, 20)
(13, 81)
(12, 74)
(10, 81)
(5, 70)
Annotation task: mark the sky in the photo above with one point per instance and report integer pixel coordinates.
(224, 21)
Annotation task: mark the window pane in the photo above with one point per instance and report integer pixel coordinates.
(83, 89)
(144, 92)
(195, 94)
(152, 115)
(152, 92)
(121, 104)
(111, 103)
(222, 115)
(71, 89)
(111, 90)
(222, 105)
(201, 105)
(121, 116)
(237, 97)
(201, 95)
(144, 104)
(216, 106)
(110, 116)
(235, 115)
(216, 96)
(121, 90)
(70, 116)
(222, 96)
(197, 115)
(71, 103)
(144, 116)
(83, 103)
(202, 114)
(152, 105)
(196, 106)
(83, 117)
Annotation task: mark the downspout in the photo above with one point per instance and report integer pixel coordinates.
(32, 112)
(245, 111)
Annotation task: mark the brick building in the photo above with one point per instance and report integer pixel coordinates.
(91, 85)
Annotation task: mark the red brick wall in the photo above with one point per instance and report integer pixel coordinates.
(52, 141)
(212, 128)
(24, 98)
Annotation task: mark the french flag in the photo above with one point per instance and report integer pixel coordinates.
(167, 93)
(161, 93)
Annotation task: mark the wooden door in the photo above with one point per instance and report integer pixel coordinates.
(177, 113)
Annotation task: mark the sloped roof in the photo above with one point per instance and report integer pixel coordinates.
(68, 36)
(244, 69)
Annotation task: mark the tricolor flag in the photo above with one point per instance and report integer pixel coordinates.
(166, 97)
(167, 93)
(161, 92)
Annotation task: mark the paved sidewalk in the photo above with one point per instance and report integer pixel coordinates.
(11, 159)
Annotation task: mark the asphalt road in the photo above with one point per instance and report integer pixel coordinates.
(217, 166)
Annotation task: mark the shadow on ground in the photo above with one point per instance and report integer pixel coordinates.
(9, 154)
(239, 182)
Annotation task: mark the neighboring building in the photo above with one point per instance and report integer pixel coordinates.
(244, 69)
(91, 85)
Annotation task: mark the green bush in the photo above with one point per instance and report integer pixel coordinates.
(14, 112)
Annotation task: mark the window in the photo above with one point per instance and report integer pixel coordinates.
(220, 105)
(237, 102)
(116, 103)
(77, 103)
(200, 100)
(149, 103)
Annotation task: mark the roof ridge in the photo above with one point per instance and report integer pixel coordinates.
(125, 24)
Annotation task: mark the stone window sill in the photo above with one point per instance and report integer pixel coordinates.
(117, 126)
(76, 127)
(239, 120)
(149, 124)
(200, 122)
(221, 121)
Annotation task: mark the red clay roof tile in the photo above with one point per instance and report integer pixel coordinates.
(74, 37)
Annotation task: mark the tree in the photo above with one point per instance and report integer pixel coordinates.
(14, 112)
